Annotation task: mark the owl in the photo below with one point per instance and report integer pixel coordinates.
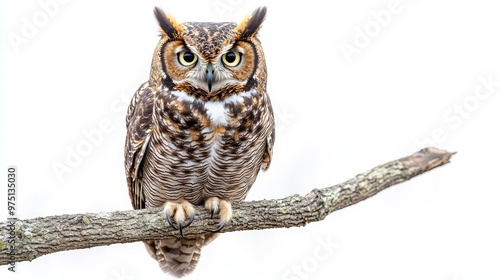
(199, 130)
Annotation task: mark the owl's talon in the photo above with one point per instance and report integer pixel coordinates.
(221, 226)
(212, 205)
(222, 206)
(180, 228)
(212, 212)
(191, 219)
(169, 220)
(179, 211)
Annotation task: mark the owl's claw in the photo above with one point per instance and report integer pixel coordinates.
(215, 204)
(213, 208)
(180, 228)
(169, 220)
(179, 211)
(221, 226)
(191, 219)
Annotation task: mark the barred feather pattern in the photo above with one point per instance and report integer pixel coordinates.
(202, 149)
(179, 147)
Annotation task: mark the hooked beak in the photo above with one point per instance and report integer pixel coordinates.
(210, 76)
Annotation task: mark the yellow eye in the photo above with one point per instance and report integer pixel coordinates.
(187, 58)
(231, 59)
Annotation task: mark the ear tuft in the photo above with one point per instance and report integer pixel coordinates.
(168, 25)
(250, 25)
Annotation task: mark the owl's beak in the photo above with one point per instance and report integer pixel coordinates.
(210, 76)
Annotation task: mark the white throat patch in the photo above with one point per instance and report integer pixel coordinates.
(216, 110)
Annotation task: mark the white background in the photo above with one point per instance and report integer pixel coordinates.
(337, 115)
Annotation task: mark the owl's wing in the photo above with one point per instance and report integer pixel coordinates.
(268, 153)
(139, 125)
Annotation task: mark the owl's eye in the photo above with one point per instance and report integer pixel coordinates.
(231, 59)
(187, 58)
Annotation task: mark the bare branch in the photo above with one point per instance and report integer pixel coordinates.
(40, 236)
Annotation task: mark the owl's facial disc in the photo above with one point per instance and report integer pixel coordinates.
(191, 68)
(211, 74)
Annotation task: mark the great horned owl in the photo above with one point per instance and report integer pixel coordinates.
(199, 130)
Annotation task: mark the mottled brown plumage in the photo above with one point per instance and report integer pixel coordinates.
(199, 130)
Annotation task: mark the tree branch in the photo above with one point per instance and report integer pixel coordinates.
(36, 237)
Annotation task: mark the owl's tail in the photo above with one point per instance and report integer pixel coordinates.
(178, 257)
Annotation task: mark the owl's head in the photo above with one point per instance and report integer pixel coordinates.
(209, 60)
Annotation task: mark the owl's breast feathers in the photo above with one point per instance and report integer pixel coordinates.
(180, 147)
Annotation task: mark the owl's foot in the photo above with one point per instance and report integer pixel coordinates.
(215, 204)
(179, 210)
